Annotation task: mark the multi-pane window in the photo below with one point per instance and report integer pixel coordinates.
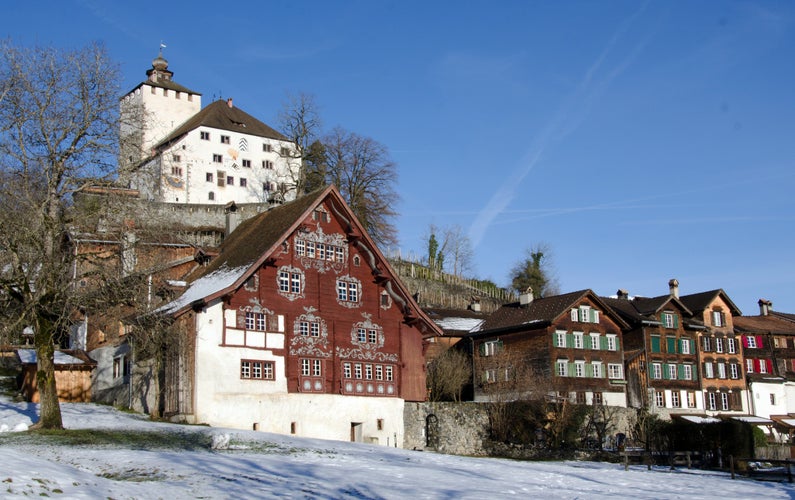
(560, 339)
(284, 281)
(389, 373)
(611, 342)
(314, 329)
(675, 399)
(751, 340)
(243, 182)
(255, 321)
(706, 344)
(718, 345)
(672, 371)
(295, 283)
(731, 346)
(317, 367)
(691, 399)
(597, 398)
(255, 369)
(734, 370)
(578, 340)
(346, 370)
(347, 291)
(205, 136)
(562, 367)
(266, 148)
(656, 371)
(361, 335)
(684, 346)
(659, 399)
(687, 372)
(290, 282)
(379, 372)
(669, 320)
(597, 369)
(357, 371)
(218, 158)
(708, 373)
(230, 180)
(717, 318)
(267, 164)
(595, 341)
(724, 400)
(749, 365)
(712, 403)
(721, 370)
(247, 163)
(176, 170)
(368, 372)
(579, 369)
(762, 366)
(615, 371)
(306, 367)
(225, 139)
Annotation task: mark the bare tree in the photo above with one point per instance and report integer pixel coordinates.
(535, 271)
(300, 121)
(448, 374)
(58, 133)
(362, 170)
(457, 249)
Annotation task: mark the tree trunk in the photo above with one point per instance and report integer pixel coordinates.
(49, 407)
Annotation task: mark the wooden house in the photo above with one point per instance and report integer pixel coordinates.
(660, 352)
(299, 326)
(567, 346)
(720, 351)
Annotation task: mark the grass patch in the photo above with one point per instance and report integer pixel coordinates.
(103, 438)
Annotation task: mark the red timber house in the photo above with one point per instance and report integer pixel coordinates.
(660, 354)
(720, 353)
(299, 326)
(567, 346)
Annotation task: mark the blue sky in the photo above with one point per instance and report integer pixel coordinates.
(641, 141)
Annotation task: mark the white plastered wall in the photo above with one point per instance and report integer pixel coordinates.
(223, 399)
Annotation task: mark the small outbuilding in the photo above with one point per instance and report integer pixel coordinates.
(72, 375)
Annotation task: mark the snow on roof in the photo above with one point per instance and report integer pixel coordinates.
(204, 287)
(459, 324)
(753, 419)
(696, 419)
(789, 421)
(28, 356)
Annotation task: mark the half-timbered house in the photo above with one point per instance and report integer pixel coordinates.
(299, 326)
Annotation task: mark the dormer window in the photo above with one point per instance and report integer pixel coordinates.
(718, 319)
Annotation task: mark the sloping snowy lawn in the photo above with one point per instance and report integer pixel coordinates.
(173, 462)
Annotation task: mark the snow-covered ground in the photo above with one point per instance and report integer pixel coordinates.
(260, 465)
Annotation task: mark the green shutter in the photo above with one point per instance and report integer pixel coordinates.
(482, 348)
(655, 343)
(671, 345)
(569, 340)
(588, 370)
(570, 371)
(681, 371)
(603, 342)
(676, 321)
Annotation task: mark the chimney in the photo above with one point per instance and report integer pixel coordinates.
(673, 285)
(232, 217)
(474, 304)
(526, 297)
(622, 294)
(229, 102)
(765, 306)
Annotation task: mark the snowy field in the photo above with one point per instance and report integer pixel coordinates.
(259, 465)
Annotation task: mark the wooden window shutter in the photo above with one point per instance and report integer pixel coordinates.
(482, 348)
(671, 345)
(676, 320)
(655, 343)
(603, 342)
(589, 370)
(769, 365)
(569, 340)
(759, 344)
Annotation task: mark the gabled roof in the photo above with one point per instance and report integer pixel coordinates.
(255, 241)
(165, 84)
(698, 302)
(641, 309)
(221, 115)
(763, 324)
(542, 312)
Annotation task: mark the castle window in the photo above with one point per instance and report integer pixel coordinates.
(218, 158)
(247, 163)
(243, 182)
(225, 139)
(205, 136)
(267, 164)
(176, 171)
(285, 152)
(211, 196)
(209, 176)
(230, 180)
(266, 148)
(176, 158)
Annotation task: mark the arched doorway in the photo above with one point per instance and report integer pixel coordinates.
(432, 431)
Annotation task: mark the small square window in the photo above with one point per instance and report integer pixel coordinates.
(243, 182)
(225, 139)
(205, 136)
(218, 158)
(247, 163)
(230, 180)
